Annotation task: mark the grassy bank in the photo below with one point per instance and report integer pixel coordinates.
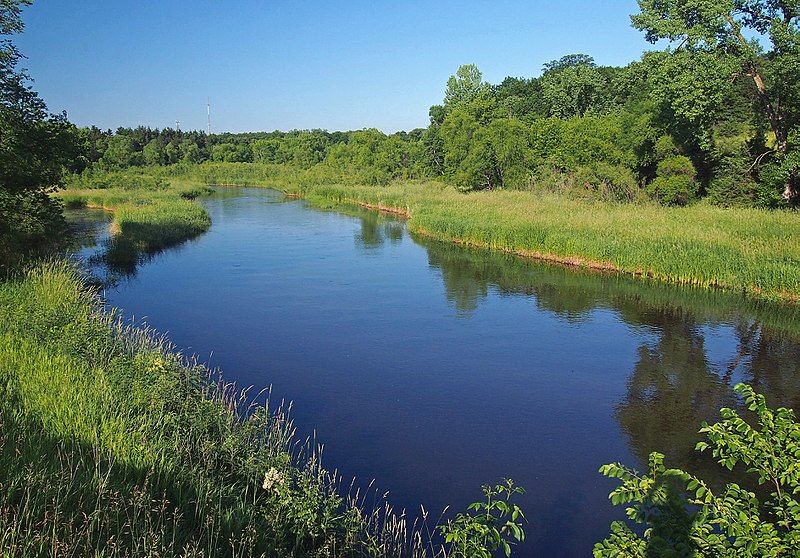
(149, 214)
(748, 250)
(752, 251)
(112, 444)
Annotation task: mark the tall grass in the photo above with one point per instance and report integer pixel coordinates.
(149, 214)
(113, 444)
(753, 251)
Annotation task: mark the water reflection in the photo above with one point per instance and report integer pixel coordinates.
(375, 230)
(674, 385)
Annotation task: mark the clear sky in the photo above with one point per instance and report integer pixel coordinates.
(280, 64)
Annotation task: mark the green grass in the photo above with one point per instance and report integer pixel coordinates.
(146, 218)
(113, 444)
(747, 250)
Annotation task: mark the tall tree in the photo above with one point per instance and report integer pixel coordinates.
(722, 27)
(35, 146)
(465, 86)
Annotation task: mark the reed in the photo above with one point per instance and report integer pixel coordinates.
(145, 219)
(752, 251)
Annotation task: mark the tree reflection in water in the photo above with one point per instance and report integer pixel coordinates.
(674, 386)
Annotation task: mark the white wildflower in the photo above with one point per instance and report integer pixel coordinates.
(273, 480)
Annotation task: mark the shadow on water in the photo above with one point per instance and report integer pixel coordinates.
(109, 260)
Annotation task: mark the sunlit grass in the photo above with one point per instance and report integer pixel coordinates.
(749, 250)
(145, 220)
(753, 251)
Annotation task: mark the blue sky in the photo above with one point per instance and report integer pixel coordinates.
(277, 64)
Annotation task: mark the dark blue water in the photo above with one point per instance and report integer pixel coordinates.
(434, 369)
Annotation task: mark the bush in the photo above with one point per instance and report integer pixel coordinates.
(30, 223)
(732, 186)
(684, 517)
(773, 178)
(675, 182)
(600, 181)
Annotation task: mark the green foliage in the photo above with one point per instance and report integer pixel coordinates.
(675, 182)
(153, 153)
(490, 526)
(120, 153)
(573, 86)
(714, 37)
(684, 517)
(35, 147)
(497, 157)
(232, 153)
(464, 87)
(773, 179)
(732, 185)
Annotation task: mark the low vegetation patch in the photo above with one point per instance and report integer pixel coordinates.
(149, 213)
(112, 444)
(684, 516)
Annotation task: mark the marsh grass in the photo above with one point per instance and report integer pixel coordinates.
(144, 220)
(753, 251)
(114, 444)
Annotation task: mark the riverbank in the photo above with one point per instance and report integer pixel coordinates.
(113, 443)
(752, 251)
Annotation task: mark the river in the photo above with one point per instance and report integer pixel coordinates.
(433, 369)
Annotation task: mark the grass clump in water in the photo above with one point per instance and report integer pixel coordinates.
(150, 214)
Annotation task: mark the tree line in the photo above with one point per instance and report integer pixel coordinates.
(714, 116)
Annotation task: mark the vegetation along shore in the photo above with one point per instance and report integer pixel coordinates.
(739, 249)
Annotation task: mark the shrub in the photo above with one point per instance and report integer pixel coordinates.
(732, 186)
(600, 181)
(684, 517)
(495, 524)
(675, 182)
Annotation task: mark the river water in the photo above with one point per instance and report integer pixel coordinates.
(433, 369)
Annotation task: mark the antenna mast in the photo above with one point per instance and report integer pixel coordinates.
(208, 114)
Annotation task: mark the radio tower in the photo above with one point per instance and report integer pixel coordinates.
(208, 115)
